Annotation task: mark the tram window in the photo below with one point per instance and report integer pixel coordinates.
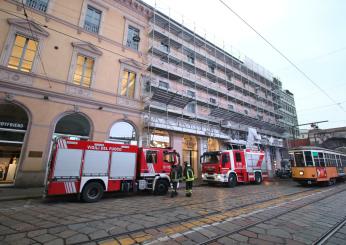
(299, 159)
(338, 160)
(316, 159)
(322, 162)
(308, 158)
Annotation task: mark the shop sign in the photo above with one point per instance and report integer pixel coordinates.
(160, 138)
(12, 125)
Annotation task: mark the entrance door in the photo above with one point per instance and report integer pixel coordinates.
(190, 156)
(13, 125)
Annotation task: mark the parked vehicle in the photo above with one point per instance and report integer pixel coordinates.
(285, 169)
(234, 166)
(88, 169)
(317, 165)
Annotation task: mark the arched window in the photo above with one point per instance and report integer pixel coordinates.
(124, 133)
(13, 125)
(74, 126)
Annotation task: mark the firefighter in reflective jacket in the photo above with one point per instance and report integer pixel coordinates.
(188, 177)
(175, 176)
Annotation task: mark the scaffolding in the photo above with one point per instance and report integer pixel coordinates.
(228, 91)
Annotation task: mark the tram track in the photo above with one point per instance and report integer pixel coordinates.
(322, 239)
(196, 218)
(161, 210)
(326, 236)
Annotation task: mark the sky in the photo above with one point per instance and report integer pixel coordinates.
(311, 33)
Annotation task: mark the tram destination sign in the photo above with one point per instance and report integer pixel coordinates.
(13, 125)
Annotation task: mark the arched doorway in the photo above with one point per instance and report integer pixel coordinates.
(190, 151)
(160, 139)
(123, 133)
(74, 126)
(213, 144)
(13, 126)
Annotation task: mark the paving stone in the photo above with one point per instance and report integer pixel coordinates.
(98, 234)
(66, 233)
(57, 229)
(248, 234)
(44, 238)
(36, 233)
(14, 236)
(77, 239)
(226, 241)
(257, 241)
(279, 233)
(239, 238)
(58, 241)
(270, 238)
(196, 237)
(22, 241)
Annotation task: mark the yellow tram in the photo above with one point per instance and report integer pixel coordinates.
(311, 165)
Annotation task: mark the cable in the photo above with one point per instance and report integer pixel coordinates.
(282, 54)
(323, 106)
(36, 44)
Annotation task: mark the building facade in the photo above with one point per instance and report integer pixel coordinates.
(72, 69)
(201, 98)
(288, 113)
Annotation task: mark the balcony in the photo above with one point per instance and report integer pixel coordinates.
(40, 5)
(91, 27)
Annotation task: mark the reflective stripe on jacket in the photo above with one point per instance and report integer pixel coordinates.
(189, 175)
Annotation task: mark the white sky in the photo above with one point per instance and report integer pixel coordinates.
(311, 33)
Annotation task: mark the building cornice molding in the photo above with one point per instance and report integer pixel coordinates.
(87, 46)
(137, 7)
(28, 25)
(132, 63)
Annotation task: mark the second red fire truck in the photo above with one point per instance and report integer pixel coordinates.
(88, 169)
(234, 166)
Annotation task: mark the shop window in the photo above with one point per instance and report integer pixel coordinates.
(92, 19)
(23, 53)
(128, 84)
(133, 38)
(84, 69)
(160, 139)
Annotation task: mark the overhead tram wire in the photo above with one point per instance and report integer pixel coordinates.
(36, 45)
(281, 54)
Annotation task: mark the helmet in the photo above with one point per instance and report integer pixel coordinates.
(187, 164)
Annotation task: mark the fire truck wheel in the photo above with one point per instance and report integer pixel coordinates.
(258, 179)
(92, 192)
(161, 187)
(232, 180)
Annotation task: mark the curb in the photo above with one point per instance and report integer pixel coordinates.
(2, 199)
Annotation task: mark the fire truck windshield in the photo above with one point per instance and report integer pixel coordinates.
(211, 157)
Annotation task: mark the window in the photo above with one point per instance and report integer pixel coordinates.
(83, 73)
(299, 159)
(23, 53)
(211, 68)
(92, 19)
(165, 47)
(237, 157)
(151, 157)
(132, 38)
(212, 100)
(163, 85)
(230, 107)
(191, 93)
(128, 84)
(246, 112)
(40, 5)
(191, 107)
(308, 158)
(225, 159)
(169, 157)
(191, 59)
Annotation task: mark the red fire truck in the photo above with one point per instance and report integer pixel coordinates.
(89, 169)
(234, 166)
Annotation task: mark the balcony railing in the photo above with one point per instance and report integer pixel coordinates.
(91, 27)
(40, 5)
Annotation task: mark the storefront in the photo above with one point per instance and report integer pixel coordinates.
(190, 151)
(160, 139)
(213, 144)
(74, 126)
(13, 126)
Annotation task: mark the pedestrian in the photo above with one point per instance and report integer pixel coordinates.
(189, 178)
(175, 176)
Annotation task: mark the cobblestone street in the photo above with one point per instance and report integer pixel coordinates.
(272, 213)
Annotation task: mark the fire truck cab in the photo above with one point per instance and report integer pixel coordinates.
(89, 169)
(233, 166)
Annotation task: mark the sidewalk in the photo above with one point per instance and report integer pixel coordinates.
(14, 193)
